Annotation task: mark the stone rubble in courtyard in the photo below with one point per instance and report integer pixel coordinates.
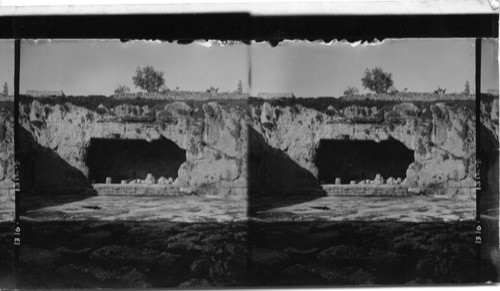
(165, 181)
(414, 190)
(379, 180)
(186, 190)
(150, 179)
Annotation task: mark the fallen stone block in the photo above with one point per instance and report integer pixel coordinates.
(186, 190)
(415, 190)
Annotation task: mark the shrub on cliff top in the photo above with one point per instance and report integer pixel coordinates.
(122, 89)
(351, 91)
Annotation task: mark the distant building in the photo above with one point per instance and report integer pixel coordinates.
(41, 93)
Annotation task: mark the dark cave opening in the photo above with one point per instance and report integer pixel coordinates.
(361, 159)
(127, 159)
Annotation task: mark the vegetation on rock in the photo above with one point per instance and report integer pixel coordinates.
(350, 91)
(148, 79)
(377, 80)
(122, 89)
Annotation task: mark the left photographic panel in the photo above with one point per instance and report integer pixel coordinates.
(133, 164)
(7, 207)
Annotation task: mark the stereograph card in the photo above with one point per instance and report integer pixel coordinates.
(209, 163)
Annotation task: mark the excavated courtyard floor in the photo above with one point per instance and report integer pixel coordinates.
(191, 241)
(204, 209)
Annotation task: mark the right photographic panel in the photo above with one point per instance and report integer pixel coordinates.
(362, 162)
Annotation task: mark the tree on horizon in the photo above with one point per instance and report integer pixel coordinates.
(377, 80)
(148, 79)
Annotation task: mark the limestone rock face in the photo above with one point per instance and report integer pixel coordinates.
(489, 116)
(453, 129)
(365, 114)
(443, 144)
(263, 147)
(133, 113)
(406, 109)
(215, 142)
(6, 154)
(174, 110)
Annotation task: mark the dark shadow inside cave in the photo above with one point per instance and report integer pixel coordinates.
(361, 159)
(126, 159)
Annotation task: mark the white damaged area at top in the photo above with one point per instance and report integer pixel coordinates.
(335, 42)
(214, 42)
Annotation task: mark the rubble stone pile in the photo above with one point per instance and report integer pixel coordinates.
(379, 180)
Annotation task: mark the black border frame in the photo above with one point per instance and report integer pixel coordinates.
(245, 27)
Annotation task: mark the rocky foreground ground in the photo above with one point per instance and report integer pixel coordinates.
(253, 253)
(204, 242)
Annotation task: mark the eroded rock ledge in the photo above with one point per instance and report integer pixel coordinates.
(257, 147)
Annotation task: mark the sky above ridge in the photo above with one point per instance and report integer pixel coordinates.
(306, 69)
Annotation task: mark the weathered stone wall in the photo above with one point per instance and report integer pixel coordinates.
(280, 143)
(6, 154)
(489, 150)
(271, 172)
(489, 116)
(444, 144)
(215, 144)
